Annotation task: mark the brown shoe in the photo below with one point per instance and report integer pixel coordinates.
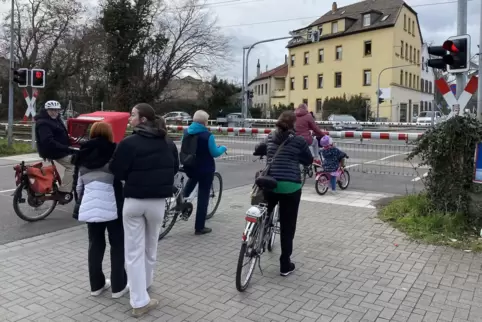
(140, 311)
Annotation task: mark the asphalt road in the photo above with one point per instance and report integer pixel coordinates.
(369, 165)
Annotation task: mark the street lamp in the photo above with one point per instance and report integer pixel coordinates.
(378, 85)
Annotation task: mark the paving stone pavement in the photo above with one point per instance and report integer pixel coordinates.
(349, 268)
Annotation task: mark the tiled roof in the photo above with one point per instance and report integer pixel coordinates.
(354, 12)
(280, 71)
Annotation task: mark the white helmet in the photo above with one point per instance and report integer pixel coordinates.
(52, 105)
(254, 212)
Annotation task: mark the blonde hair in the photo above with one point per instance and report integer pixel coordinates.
(102, 129)
(201, 117)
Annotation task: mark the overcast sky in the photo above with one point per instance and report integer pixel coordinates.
(248, 21)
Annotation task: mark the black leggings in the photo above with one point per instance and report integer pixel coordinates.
(288, 215)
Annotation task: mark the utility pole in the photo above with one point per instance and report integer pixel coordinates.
(10, 78)
(479, 92)
(461, 30)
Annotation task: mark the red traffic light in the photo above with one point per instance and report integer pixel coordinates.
(39, 75)
(450, 46)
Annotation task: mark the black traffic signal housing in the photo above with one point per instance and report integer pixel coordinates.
(454, 55)
(38, 78)
(380, 100)
(20, 76)
(250, 94)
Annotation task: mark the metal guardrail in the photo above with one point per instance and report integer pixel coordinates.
(390, 124)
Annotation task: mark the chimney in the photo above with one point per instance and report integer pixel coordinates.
(258, 70)
(286, 59)
(334, 7)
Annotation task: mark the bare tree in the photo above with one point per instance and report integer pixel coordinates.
(189, 40)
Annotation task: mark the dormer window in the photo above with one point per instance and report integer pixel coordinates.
(334, 27)
(366, 20)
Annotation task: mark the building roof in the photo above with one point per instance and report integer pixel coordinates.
(354, 12)
(279, 71)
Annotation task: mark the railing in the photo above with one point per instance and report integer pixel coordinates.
(390, 124)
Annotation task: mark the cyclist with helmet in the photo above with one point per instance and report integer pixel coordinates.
(305, 123)
(332, 156)
(53, 142)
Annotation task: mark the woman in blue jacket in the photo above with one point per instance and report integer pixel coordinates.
(202, 171)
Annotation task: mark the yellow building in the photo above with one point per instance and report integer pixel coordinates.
(345, 51)
(269, 88)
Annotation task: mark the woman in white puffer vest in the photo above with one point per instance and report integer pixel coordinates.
(101, 207)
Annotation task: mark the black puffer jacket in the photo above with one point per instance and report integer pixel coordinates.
(286, 166)
(147, 161)
(52, 136)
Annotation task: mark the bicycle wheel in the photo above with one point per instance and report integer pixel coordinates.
(170, 218)
(33, 202)
(321, 184)
(274, 228)
(344, 180)
(303, 175)
(242, 284)
(215, 195)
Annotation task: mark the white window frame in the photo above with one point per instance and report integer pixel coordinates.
(366, 20)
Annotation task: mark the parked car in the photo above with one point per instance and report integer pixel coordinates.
(178, 117)
(344, 122)
(426, 117)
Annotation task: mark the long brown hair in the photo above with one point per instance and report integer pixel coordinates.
(102, 129)
(153, 120)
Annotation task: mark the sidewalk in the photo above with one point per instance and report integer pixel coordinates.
(349, 268)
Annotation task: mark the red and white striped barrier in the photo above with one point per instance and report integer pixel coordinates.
(397, 136)
(400, 124)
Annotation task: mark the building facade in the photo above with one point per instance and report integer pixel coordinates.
(269, 88)
(357, 49)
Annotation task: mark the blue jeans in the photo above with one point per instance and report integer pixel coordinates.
(333, 182)
(205, 180)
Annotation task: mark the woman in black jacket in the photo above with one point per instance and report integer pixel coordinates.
(286, 170)
(147, 161)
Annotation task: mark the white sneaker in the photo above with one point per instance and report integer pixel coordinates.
(120, 294)
(99, 292)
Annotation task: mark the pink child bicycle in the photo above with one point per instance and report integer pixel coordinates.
(322, 181)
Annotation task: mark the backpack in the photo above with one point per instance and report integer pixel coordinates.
(187, 156)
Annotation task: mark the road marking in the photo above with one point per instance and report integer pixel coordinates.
(351, 166)
(8, 190)
(419, 178)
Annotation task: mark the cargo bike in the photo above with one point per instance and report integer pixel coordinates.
(37, 183)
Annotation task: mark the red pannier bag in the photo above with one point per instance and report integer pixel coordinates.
(41, 178)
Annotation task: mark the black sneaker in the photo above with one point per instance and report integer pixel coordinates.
(205, 230)
(289, 271)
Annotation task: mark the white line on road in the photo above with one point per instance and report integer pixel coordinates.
(8, 190)
(419, 178)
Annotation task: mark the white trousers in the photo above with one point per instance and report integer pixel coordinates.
(315, 150)
(142, 224)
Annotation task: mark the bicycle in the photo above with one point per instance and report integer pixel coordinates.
(36, 200)
(180, 207)
(322, 181)
(259, 234)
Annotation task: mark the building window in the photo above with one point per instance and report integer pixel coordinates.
(409, 22)
(321, 55)
(423, 62)
(266, 88)
(338, 80)
(339, 53)
(306, 58)
(305, 82)
(367, 48)
(418, 56)
(430, 87)
(422, 88)
(417, 84)
(292, 83)
(367, 77)
(401, 77)
(292, 60)
(429, 106)
(405, 22)
(413, 28)
(401, 50)
(262, 88)
(411, 54)
(366, 20)
(426, 86)
(406, 51)
(410, 80)
(414, 81)
(334, 27)
(320, 80)
(406, 79)
(319, 105)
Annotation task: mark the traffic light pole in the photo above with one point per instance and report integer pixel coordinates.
(479, 92)
(10, 76)
(461, 78)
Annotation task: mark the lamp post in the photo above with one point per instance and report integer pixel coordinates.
(378, 85)
(10, 78)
